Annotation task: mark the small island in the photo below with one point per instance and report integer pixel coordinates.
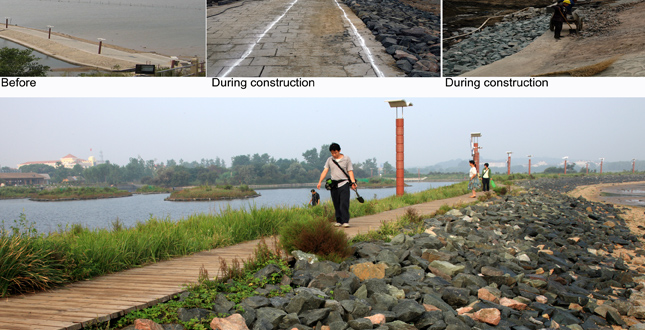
(149, 189)
(77, 194)
(212, 193)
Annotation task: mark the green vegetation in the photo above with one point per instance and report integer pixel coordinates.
(17, 192)
(74, 193)
(236, 284)
(148, 189)
(207, 193)
(87, 253)
(20, 63)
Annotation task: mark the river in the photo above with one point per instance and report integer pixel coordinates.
(100, 213)
(169, 27)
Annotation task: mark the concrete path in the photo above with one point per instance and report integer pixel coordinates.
(107, 297)
(80, 52)
(292, 38)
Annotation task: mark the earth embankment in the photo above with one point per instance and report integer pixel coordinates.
(611, 43)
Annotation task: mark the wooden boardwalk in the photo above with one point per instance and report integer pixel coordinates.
(77, 305)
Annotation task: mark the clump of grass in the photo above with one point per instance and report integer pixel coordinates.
(317, 236)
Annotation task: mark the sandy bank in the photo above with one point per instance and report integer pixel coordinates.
(622, 37)
(81, 52)
(634, 216)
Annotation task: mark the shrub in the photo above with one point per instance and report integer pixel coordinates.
(316, 236)
(500, 190)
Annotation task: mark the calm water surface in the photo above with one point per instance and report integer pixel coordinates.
(169, 27)
(48, 216)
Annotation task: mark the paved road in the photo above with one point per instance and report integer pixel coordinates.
(78, 51)
(292, 38)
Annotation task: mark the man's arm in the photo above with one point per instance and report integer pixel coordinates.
(322, 176)
(351, 177)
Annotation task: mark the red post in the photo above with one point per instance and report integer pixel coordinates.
(476, 156)
(400, 171)
(633, 166)
(601, 166)
(565, 166)
(529, 166)
(587, 168)
(509, 164)
(50, 34)
(100, 45)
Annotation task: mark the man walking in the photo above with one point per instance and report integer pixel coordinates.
(342, 178)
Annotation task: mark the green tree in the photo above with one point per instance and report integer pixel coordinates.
(37, 168)
(20, 63)
(388, 169)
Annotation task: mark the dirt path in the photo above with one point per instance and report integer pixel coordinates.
(622, 38)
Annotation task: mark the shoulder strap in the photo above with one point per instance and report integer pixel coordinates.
(335, 162)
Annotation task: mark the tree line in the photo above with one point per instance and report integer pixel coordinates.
(244, 169)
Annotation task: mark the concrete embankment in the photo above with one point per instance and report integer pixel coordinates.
(81, 52)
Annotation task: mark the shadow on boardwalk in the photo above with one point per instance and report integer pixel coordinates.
(106, 297)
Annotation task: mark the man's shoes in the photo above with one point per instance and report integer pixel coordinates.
(337, 224)
(345, 225)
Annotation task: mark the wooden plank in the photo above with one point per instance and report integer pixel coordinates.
(11, 326)
(38, 320)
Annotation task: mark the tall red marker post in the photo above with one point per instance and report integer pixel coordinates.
(474, 148)
(601, 161)
(565, 163)
(529, 156)
(400, 170)
(509, 161)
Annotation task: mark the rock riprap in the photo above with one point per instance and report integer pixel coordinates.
(410, 35)
(493, 43)
(538, 260)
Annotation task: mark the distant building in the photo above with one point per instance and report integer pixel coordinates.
(68, 161)
(21, 179)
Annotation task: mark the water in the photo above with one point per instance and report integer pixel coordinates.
(100, 213)
(169, 27)
(51, 62)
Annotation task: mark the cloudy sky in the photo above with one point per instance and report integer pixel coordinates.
(436, 129)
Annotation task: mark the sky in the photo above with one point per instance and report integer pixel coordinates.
(436, 129)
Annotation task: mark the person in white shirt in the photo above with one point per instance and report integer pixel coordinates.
(342, 175)
(473, 184)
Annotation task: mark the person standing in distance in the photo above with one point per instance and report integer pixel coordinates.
(315, 198)
(473, 183)
(486, 178)
(340, 183)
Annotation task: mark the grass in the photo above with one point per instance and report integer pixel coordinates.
(17, 192)
(88, 253)
(212, 193)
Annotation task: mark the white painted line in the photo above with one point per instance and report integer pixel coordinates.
(248, 52)
(362, 41)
